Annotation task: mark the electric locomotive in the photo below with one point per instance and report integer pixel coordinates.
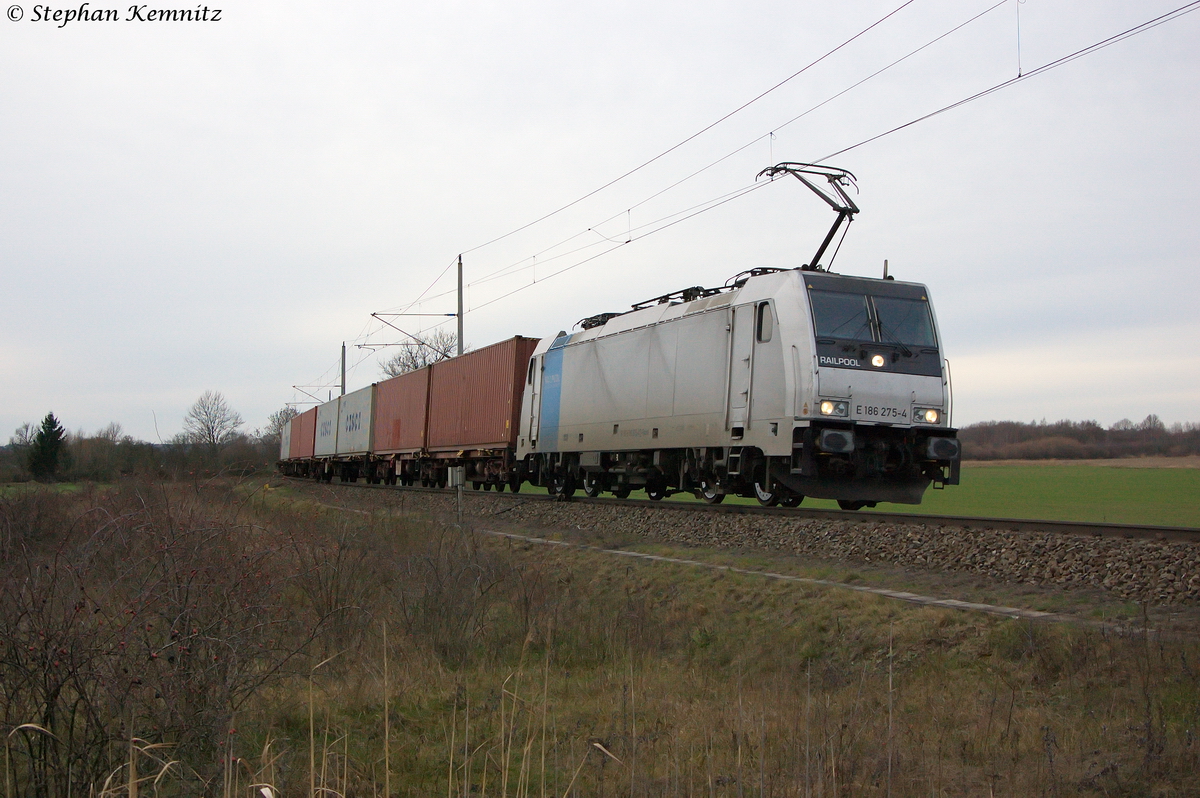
(779, 385)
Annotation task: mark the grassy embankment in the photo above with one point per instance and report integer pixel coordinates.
(514, 670)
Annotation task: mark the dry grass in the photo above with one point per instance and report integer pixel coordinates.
(443, 664)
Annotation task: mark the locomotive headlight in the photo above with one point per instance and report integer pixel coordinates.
(925, 416)
(829, 408)
(877, 361)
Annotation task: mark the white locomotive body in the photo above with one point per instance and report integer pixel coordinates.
(788, 384)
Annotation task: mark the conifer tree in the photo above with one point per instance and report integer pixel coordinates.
(48, 453)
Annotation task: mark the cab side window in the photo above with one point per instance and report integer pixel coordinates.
(765, 324)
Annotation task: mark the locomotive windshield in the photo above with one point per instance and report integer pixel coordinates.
(839, 315)
(882, 319)
(904, 321)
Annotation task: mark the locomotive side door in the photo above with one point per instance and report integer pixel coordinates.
(533, 384)
(741, 365)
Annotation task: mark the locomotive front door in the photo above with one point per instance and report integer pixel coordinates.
(741, 365)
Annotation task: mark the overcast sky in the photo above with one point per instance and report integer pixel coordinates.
(188, 206)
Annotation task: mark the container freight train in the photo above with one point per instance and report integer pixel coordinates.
(413, 428)
(780, 385)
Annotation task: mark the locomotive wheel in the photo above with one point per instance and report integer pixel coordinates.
(621, 491)
(656, 490)
(562, 485)
(791, 499)
(709, 494)
(765, 497)
(514, 484)
(845, 504)
(591, 487)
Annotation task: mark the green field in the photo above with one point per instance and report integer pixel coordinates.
(1162, 496)
(1159, 496)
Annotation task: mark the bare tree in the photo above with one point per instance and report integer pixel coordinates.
(272, 434)
(22, 437)
(276, 420)
(112, 433)
(433, 346)
(211, 422)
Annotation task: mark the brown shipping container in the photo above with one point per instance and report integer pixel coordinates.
(304, 432)
(400, 406)
(475, 399)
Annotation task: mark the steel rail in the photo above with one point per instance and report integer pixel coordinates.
(1090, 528)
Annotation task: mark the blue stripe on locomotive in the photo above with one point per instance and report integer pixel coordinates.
(552, 369)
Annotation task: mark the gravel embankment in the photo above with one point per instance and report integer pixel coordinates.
(1163, 572)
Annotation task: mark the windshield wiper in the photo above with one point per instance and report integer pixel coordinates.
(885, 334)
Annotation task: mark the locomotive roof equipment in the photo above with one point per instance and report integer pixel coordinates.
(835, 195)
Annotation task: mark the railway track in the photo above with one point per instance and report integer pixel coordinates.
(1127, 531)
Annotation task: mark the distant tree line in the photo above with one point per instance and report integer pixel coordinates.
(212, 442)
(1078, 440)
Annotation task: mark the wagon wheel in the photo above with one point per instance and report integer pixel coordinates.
(499, 487)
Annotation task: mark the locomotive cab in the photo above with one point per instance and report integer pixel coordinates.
(875, 426)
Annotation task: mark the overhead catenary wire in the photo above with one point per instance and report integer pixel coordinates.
(683, 216)
(704, 207)
(1066, 59)
(1044, 68)
(516, 267)
(698, 133)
